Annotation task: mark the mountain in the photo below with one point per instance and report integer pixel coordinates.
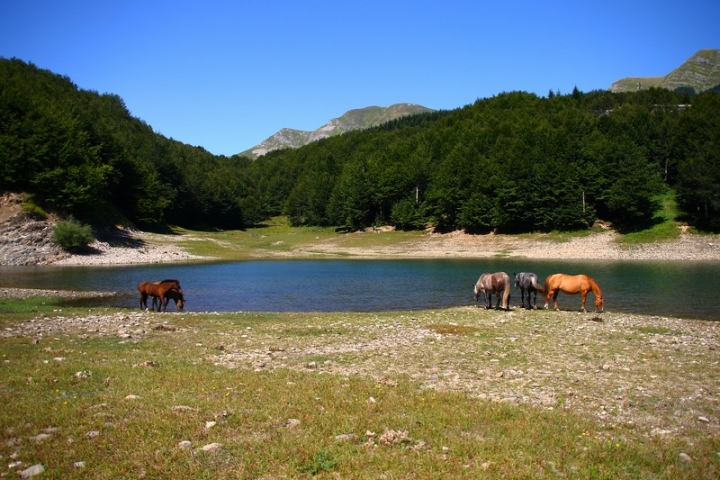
(699, 73)
(357, 119)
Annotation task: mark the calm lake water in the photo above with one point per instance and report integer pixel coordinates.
(686, 289)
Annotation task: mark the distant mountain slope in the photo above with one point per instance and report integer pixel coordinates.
(699, 73)
(357, 119)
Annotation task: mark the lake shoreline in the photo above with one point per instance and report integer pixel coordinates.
(157, 248)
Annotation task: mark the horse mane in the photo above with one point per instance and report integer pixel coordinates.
(170, 280)
(594, 286)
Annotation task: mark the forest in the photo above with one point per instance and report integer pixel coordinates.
(515, 162)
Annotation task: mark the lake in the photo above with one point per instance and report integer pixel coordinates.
(684, 289)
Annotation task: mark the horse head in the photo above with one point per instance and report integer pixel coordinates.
(599, 303)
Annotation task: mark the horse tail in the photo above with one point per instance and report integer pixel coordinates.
(537, 286)
(546, 287)
(506, 292)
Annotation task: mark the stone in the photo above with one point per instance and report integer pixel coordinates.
(211, 447)
(292, 423)
(345, 437)
(32, 471)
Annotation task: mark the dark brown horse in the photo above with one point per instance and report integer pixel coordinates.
(171, 294)
(572, 285)
(489, 283)
(156, 289)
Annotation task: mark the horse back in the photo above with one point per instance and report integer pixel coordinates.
(569, 283)
(499, 280)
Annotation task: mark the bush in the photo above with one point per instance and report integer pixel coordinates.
(71, 235)
(32, 209)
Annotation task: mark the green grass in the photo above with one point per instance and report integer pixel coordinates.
(145, 395)
(665, 228)
(277, 238)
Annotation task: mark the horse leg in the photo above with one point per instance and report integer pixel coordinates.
(583, 295)
(555, 295)
(534, 307)
(143, 301)
(529, 292)
(162, 300)
(547, 299)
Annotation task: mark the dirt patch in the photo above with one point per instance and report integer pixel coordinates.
(10, 206)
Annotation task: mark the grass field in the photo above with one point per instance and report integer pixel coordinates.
(457, 393)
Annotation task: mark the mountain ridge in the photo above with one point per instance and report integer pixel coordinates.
(698, 73)
(356, 119)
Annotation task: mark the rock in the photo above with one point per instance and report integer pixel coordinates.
(394, 436)
(685, 458)
(345, 437)
(182, 408)
(292, 423)
(185, 444)
(211, 447)
(40, 437)
(32, 471)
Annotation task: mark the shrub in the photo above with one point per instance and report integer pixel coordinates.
(71, 235)
(33, 210)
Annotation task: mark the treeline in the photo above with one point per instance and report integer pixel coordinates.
(82, 154)
(515, 162)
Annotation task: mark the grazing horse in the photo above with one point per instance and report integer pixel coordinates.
(156, 289)
(490, 283)
(173, 294)
(572, 285)
(527, 282)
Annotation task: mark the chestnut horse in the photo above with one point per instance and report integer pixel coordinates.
(527, 282)
(490, 283)
(156, 289)
(572, 285)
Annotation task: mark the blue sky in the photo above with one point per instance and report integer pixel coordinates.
(225, 75)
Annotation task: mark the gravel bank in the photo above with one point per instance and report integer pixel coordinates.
(598, 246)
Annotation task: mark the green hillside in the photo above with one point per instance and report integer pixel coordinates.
(512, 163)
(699, 73)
